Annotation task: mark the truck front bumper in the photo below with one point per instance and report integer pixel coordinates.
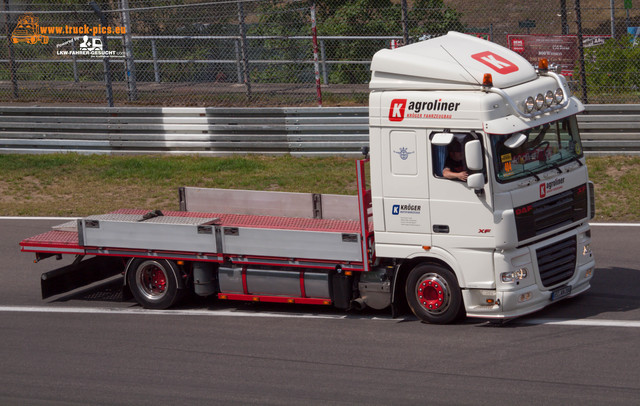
(511, 303)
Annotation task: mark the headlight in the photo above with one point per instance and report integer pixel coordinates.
(517, 275)
(559, 95)
(548, 98)
(528, 104)
(539, 101)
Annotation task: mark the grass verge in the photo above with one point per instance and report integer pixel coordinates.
(79, 185)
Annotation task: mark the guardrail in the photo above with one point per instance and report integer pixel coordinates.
(610, 129)
(218, 131)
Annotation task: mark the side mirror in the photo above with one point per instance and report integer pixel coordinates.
(473, 155)
(515, 140)
(475, 181)
(442, 139)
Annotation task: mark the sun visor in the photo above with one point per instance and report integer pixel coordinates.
(454, 61)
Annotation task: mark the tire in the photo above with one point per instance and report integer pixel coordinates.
(433, 294)
(154, 283)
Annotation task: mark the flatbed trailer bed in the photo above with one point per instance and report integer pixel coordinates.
(276, 258)
(288, 238)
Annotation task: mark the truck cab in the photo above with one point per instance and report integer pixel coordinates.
(513, 236)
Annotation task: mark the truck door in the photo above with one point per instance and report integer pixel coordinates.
(405, 181)
(460, 215)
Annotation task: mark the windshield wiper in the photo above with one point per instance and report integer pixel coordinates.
(530, 173)
(555, 166)
(575, 158)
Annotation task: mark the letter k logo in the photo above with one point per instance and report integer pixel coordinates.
(396, 111)
(496, 62)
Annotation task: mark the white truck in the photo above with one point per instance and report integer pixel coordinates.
(478, 205)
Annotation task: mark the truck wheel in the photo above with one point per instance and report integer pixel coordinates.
(433, 294)
(154, 283)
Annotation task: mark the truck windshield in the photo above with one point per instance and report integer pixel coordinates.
(546, 146)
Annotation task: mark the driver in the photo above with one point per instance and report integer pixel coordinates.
(453, 166)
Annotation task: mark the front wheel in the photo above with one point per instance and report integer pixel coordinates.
(433, 294)
(154, 283)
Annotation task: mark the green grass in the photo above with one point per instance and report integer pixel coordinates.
(617, 183)
(79, 185)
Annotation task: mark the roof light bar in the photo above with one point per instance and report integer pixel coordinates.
(541, 102)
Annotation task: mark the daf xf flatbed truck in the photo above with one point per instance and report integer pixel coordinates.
(478, 205)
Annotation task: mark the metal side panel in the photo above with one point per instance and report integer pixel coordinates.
(230, 280)
(273, 282)
(161, 233)
(252, 202)
(316, 284)
(292, 244)
(340, 207)
(269, 203)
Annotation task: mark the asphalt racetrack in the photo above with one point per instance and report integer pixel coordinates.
(92, 348)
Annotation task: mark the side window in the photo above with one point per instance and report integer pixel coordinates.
(449, 160)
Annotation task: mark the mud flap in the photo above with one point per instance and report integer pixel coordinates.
(79, 274)
(341, 287)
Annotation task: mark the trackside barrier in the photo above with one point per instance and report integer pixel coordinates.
(218, 131)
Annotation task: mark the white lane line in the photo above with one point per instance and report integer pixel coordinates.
(614, 224)
(177, 312)
(239, 313)
(582, 322)
(41, 218)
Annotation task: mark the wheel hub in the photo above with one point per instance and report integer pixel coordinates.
(152, 281)
(156, 281)
(433, 294)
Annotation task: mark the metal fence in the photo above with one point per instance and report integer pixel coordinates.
(288, 52)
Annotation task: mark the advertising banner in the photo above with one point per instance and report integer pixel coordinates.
(560, 50)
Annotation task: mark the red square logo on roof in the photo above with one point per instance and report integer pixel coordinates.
(496, 62)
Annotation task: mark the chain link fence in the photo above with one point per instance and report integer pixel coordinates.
(288, 52)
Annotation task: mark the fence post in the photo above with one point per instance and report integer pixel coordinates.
(12, 62)
(405, 23)
(316, 64)
(156, 66)
(75, 61)
(105, 58)
(583, 70)
(238, 61)
(613, 20)
(128, 53)
(243, 50)
(563, 17)
(323, 57)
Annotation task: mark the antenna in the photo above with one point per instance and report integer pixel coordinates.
(461, 65)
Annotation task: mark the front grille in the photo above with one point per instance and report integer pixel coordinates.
(557, 262)
(551, 213)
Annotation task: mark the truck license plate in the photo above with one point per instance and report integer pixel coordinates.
(560, 293)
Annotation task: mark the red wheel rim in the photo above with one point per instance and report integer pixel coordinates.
(156, 280)
(433, 293)
(152, 280)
